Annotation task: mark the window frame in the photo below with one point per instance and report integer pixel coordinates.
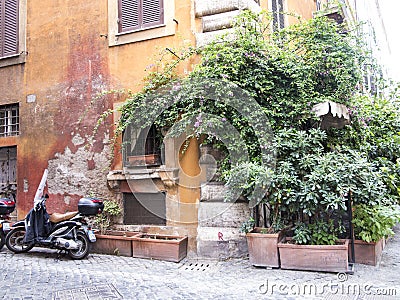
(166, 28)
(8, 110)
(20, 55)
(141, 143)
(278, 19)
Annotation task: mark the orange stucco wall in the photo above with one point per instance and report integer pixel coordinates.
(304, 9)
(68, 62)
(66, 65)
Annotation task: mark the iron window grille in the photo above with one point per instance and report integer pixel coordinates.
(9, 120)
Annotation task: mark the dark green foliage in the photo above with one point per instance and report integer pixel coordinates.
(301, 173)
(319, 233)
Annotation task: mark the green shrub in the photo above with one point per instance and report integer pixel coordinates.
(372, 223)
(318, 233)
(106, 218)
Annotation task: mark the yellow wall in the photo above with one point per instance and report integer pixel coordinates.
(304, 9)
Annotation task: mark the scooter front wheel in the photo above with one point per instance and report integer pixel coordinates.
(2, 239)
(15, 241)
(84, 246)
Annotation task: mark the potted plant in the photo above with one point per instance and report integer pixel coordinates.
(315, 247)
(313, 184)
(262, 243)
(159, 246)
(112, 241)
(372, 226)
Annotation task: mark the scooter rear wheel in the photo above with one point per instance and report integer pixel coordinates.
(84, 246)
(15, 241)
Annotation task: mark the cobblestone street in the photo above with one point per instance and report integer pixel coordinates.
(41, 274)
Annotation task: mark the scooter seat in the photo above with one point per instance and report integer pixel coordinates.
(56, 217)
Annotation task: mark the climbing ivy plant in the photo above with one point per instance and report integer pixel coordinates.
(285, 72)
(303, 171)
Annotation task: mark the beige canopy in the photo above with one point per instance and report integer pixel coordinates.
(332, 114)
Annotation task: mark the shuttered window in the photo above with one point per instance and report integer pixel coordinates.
(9, 29)
(139, 14)
(278, 21)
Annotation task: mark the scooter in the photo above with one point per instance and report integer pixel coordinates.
(67, 232)
(7, 206)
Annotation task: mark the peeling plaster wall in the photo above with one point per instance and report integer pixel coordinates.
(79, 172)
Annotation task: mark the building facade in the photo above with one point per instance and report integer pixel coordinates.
(371, 24)
(57, 57)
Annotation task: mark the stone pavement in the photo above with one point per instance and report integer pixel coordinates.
(41, 274)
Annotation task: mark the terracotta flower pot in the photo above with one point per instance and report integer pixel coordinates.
(114, 242)
(143, 160)
(157, 246)
(263, 247)
(325, 258)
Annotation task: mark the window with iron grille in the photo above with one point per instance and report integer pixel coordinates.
(142, 143)
(9, 120)
(278, 20)
(139, 14)
(9, 27)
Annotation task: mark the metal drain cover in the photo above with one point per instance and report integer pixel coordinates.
(104, 291)
(198, 266)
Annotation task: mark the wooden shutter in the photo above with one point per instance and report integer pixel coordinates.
(278, 21)
(136, 14)
(274, 15)
(9, 27)
(153, 13)
(129, 15)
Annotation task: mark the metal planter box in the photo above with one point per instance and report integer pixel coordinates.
(368, 253)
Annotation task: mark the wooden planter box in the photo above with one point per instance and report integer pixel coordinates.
(158, 246)
(325, 258)
(367, 253)
(263, 248)
(114, 242)
(143, 160)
